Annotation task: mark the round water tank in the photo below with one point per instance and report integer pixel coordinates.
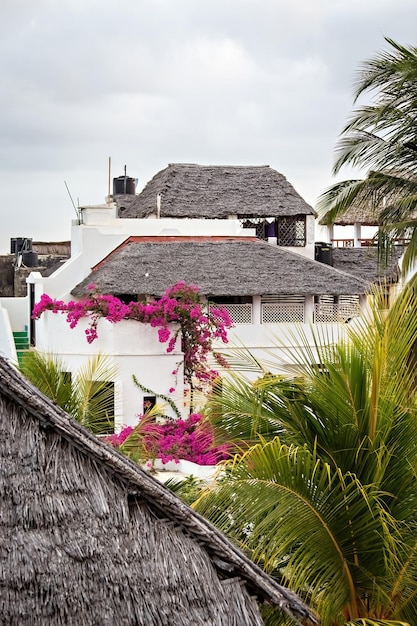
(30, 258)
(124, 185)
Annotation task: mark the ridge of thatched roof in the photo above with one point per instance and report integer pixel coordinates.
(215, 191)
(88, 537)
(220, 267)
(364, 263)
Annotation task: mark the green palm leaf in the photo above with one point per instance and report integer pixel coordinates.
(381, 139)
(87, 395)
(326, 499)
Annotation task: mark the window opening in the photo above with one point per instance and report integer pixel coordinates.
(126, 298)
(258, 223)
(238, 307)
(148, 403)
(101, 413)
(291, 231)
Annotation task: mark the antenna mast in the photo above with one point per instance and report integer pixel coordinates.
(108, 186)
(72, 201)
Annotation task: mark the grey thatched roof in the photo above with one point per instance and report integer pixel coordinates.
(365, 264)
(219, 266)
(87, 537)
(367, 216)
(215, 191)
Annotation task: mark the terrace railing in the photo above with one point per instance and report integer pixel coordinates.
(240, 313)
(290, 309)
(328, 309)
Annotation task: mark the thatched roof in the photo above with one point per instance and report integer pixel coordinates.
(366, 216)
(215, 191)
(89, 538)
(365, 264)
(59, 248)
(219, 266)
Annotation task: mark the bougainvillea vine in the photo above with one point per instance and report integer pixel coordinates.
(191, 439)
(181, 304)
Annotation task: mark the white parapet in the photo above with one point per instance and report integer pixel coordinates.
(7, 345)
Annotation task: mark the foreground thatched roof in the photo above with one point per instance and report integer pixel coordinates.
(365, 264)
(215, 191)
(219, 266)
(87, 537)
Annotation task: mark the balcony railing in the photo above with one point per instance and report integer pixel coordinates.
(278, 313)
(240, 313)
(327, 310)
(292, 311)
(365, 242)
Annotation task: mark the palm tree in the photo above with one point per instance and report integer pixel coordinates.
(326, 500)
(87, 396)
(381, 138)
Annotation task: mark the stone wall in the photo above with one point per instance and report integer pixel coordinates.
(7, 276)
(13, 278)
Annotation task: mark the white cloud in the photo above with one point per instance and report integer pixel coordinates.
(150, 82)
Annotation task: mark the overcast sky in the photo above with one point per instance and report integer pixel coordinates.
(152, 82)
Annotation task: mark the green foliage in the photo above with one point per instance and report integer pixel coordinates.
(87, 396)
(188, 489)
(325, 499)
(163, 397)
(381, 138)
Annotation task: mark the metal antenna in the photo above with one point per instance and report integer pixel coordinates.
(72, 201)
(109, 178)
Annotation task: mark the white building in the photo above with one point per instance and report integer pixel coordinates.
(242, 234)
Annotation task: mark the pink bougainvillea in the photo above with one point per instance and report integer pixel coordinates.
(191, 439)
(181, 304)
(117, 439)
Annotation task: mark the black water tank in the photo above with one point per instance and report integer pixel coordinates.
(30, 258)
(17, 244)
(323, 252)
(124, 185)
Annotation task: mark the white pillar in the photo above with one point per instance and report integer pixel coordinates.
(256, 310)
(356, 235)
(330, 232)
(309, 310)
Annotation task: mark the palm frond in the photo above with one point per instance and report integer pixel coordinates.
(280, 500)
(93, 388)
(375, 622)
(87, 395)
(326, 498)
(50, 375)
(381, 139)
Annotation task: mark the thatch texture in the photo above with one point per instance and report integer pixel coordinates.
(219, 266)
(365, 264)
(215, 191)
(88, 538)
(59, 248)
(366, 216)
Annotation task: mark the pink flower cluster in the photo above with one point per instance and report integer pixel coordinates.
(191, 439)
(117, 439)
(95, 306)
(180, 304)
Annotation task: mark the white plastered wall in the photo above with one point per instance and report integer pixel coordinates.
(132, 347)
